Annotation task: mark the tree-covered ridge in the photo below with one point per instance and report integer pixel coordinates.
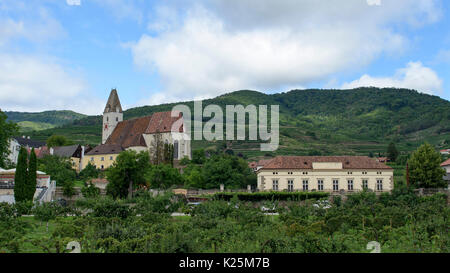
(313, 121)
(43, 119)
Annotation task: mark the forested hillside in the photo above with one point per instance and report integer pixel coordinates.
(42, 120)
(316, 122)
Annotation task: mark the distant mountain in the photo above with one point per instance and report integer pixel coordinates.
(315, 122)
(43, 120)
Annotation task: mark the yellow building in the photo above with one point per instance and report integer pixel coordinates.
(102, 156)
(73, 152)
(325, 173)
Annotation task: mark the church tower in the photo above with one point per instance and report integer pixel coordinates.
(112, 115)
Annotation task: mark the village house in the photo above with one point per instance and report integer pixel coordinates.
(445, 152)
(325, 173)
(24, 141)
(139, 134)
(73, 152)
(102, 157)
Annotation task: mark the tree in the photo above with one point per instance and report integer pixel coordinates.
(127, 173)
(194, 180)
(46, 212)
(90, 191)
(185, 161)
(424, 168)
(231, 171)
(59, 168)
(157, 150)
(198, 156)
(21, 177)
(7, 131)
(163, 176)
(168, 154)
(69, 188)
(90, 171)
(392, 152)
(56, 141)
(32, 169)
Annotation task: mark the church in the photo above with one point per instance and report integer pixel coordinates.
(139, 134)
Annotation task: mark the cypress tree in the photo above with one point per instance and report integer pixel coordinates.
(20, 179)
(31, 183)
(392, 152)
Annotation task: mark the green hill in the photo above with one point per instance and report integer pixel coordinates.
(317, 122)
(43, 120)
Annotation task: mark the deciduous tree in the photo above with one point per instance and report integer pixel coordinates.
(424, 168)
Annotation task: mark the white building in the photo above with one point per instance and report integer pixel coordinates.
(14, 148)
(325, 173)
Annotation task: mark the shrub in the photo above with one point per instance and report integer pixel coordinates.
(262, 196)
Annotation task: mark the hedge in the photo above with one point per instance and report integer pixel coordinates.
(263, 196)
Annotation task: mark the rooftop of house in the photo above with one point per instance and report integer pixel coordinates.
(306, 162)
(25, 141)
(129, 133)
(105, 149)
(446, 163)
(263, 162)
(67, 151)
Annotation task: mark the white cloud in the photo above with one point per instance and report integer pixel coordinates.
(33, 84)
(73, 2)
(374, 2)
(413, 76)
(219, 46)
(33, 23)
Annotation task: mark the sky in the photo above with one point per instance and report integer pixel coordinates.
(69, 54)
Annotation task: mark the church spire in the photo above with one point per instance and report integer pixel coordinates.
(113, 104)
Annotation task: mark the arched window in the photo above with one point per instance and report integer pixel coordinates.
(175, 149)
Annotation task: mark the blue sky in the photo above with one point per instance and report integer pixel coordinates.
(68, 54)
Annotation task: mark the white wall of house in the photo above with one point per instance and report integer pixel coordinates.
(14, 148)
(266, 179)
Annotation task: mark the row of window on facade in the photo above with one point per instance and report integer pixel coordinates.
(103, 158)
(305, 173)
(305, 184)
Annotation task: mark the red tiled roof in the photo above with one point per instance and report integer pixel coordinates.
(263, 162)
(446, 163)
(162, 122)
(305, 162)
(128, 133)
